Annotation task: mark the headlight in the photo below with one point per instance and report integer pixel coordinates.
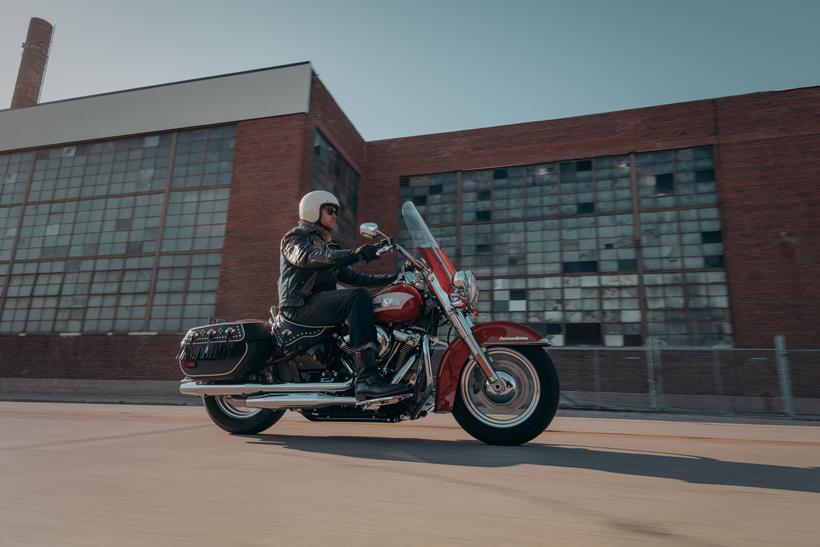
(466, 287)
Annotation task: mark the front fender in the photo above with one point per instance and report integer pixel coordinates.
(494, 333)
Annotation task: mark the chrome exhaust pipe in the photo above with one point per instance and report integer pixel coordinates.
(296, 400)
(188, 387)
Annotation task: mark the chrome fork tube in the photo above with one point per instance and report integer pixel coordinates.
(428, 367)
(464, 328)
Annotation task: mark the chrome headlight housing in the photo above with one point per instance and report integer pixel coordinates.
(466, 287)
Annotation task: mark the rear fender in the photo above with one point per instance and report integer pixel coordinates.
(494, 333)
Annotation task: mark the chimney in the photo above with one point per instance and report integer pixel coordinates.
(33, 63)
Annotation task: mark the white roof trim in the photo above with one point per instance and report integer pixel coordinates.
(263, 93)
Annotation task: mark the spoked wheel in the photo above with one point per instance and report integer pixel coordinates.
(522, 411)
(240, 420)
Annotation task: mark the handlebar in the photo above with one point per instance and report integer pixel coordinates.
(386, 245)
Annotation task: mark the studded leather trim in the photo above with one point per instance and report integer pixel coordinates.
(287, 332)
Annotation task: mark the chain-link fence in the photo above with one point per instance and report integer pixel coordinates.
(775, 380)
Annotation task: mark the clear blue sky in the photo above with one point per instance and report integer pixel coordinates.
(411, 67)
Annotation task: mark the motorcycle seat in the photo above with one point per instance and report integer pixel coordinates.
(288, 332)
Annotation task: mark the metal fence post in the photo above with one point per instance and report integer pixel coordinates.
(782, 355)
(650, 373)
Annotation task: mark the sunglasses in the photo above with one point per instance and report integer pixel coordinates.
(332, 211)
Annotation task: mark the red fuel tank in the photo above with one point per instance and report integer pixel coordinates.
(401, 303)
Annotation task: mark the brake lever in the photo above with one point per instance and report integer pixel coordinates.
(388, 245)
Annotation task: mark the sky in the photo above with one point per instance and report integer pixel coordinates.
(401, 68)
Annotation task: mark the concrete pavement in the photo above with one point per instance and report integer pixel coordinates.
(75, 474)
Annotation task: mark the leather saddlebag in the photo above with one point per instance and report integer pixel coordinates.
(225, 350)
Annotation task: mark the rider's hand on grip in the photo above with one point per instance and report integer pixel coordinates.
(368, 252)
(384, 246)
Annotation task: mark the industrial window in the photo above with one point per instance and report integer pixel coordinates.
(15, 170)
(713, 261)
(711, 237)
(204, 157)
(332, 172)
(185, 291)
(196, 220)
(85, 262)
(705, 175)
(664, 184)
(563, 235)
(670, 179)
(633, 340)
(579, 267)
(586, 208)
(518, 294)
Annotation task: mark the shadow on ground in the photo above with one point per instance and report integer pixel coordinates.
(692, 469)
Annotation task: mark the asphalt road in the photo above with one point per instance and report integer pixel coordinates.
(116, 475)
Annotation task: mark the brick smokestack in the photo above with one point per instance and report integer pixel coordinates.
(33, 63)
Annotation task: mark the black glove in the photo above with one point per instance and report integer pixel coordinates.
(368, 252)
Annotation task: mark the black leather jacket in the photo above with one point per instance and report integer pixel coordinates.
(308, 264)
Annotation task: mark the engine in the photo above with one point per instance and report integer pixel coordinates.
(383, 339)
(332, 359)
(394, 349)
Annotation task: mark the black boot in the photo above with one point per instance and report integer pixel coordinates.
(370, 384)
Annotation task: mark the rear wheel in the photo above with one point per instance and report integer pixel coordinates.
(519, 414)
(239, 420)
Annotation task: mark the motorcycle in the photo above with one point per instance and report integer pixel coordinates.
(496, 378)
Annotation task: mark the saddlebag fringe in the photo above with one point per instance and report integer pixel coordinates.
(205, 352)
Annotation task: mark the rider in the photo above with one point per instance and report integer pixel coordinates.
(310, 264)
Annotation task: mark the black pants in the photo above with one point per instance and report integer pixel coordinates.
(333, 307)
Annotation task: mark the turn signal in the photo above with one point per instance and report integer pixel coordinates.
(188, 364)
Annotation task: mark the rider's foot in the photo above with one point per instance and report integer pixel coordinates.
(372, 385)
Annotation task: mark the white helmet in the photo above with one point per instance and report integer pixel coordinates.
(310, 208)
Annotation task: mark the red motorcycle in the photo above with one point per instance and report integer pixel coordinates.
(496, 378)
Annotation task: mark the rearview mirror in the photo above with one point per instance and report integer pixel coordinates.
(370, 230)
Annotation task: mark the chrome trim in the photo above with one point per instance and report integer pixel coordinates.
(403, 370)
(197, 389)
(464, 328)
(406, 338)
(428, 366)
(495, 404)
(439, 342)
(235, 408)
(307, 400)
(370, 230)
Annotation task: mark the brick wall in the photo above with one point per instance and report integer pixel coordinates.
(97, 356)
(265, 192)
(767, 148)
(768, 168)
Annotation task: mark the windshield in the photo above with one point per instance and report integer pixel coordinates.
(428, 247)
(417, 227)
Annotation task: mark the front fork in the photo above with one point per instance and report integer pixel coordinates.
(464, 327)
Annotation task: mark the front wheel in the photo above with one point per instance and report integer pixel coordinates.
(240, 420)
(521, 413)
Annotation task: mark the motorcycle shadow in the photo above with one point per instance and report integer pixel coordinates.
(687, 468)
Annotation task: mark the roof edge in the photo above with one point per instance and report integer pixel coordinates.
(166, 84)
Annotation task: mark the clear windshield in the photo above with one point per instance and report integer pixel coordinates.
(428, 246)
(417, 227)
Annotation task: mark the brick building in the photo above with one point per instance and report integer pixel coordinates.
(127, 217)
